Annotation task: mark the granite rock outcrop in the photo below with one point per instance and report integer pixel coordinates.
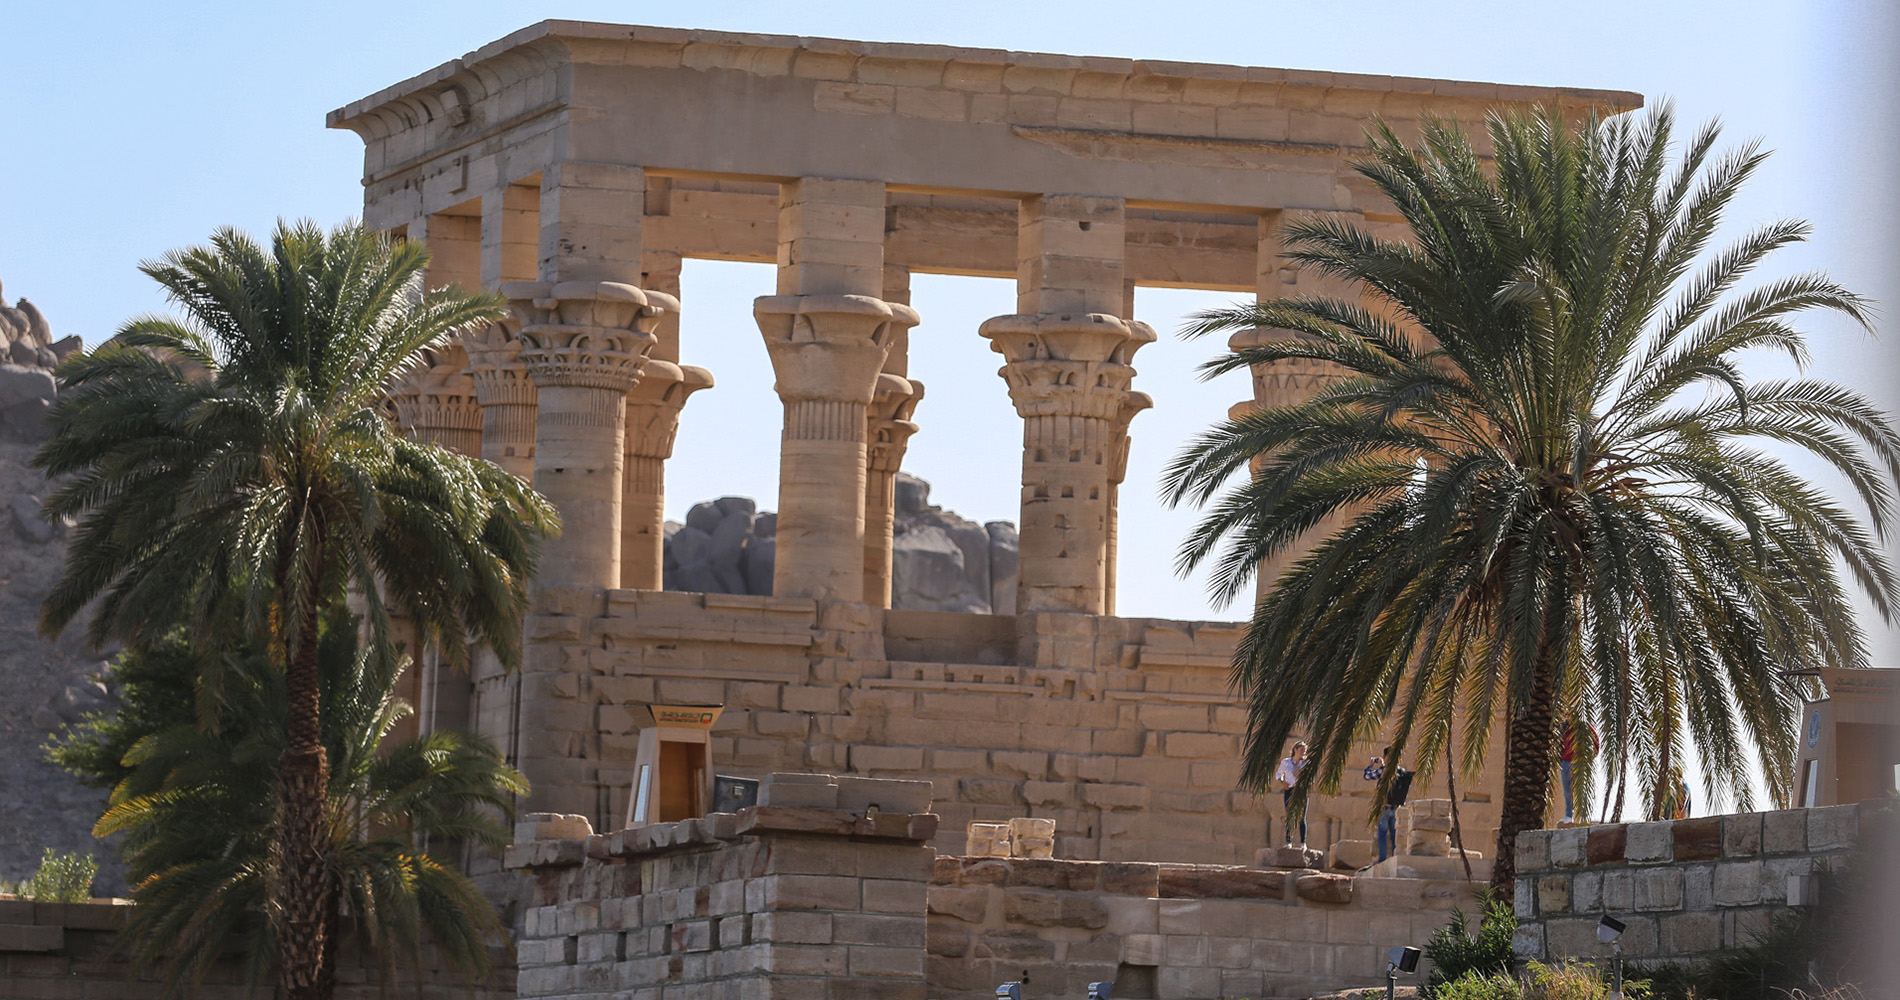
(940, 561)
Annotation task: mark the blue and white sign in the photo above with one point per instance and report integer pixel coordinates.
(1814, 728)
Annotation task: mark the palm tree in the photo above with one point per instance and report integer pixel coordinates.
(232, 467)
(196, 809)
(1545, 451)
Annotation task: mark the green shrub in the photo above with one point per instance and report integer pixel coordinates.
(61, 878)
(1478, 986)
(1456, 951)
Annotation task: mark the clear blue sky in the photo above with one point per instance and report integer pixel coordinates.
(133, 128)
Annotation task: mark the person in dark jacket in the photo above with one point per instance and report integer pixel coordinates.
(1388, 814)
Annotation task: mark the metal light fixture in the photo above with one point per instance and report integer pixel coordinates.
(1009, 991)
(1099, 991)
(1610, 932)
(1401, 959)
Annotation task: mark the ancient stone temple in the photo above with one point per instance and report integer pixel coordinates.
(574, 165)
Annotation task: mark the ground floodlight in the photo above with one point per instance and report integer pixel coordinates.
(1099, 991)
(1009, 991)
(1609, 929)
(1403, 959)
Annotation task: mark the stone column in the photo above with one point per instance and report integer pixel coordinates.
(584, 343)
(506, 395)
(828, 335)
(437, 403)
(653, 419)
(510, 232)
(1132, 403)
(1068, 367)
(887, 434)
(1286, 383)
(653, 413)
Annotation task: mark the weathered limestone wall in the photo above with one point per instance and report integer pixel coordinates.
(777, 901)
(1121, 730)
(1174, 931)
(816, 894)
(66, 950)
(1685, 889)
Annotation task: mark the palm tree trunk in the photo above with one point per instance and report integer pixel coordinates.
(303, 783)
(1451, 789)
(1528, 751)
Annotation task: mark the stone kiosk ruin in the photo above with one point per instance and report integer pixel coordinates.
(574, 165)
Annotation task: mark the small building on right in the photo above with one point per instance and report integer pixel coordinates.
(1850, 740)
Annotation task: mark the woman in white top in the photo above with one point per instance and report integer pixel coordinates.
(1286, 776)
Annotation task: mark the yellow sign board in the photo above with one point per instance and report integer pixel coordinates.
(685, 716)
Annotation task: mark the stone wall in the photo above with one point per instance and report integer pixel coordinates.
(1123, 731)
(66, 950)
(1684, 889)
(1176, 931)
(775, 901)
(849, 902)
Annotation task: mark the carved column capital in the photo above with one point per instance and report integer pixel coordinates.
(1067, 364)
(586, 334)
(437, 401)
(888, 426)
(495, 367)
(654, 404)
(828, 347)
(1132, 403)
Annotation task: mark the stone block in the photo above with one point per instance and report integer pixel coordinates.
(1698, 839)
(797, 792)
(1219, 882)
(1648, 843)
(1553, 894)
(1533, 851)
(1180, 916)
(1784, 831)
(1604, 844)
(1738, 883)
(892, 896)
(31, 937)
(1320, 887)
(1741, 835)
(1831, 827)
(889, 795)
(1527, 943)
(1586, 892)
(1142, 949)
(1691, 933)
(552, 826)
(1657, 889)
(1698, 887)
(1188, 983)
(1567, 847)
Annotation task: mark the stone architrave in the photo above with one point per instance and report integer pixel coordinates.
(437, 403)
(505, 394)
(584, 343)
(1068, 376)
(653, 420)
(887, 432)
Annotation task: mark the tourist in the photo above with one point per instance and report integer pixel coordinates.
(1285, 777)
(1387, 835)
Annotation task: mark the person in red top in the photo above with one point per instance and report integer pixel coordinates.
(1567, 757)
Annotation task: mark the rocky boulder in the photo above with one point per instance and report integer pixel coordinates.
(28, 355)
(939, 560)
